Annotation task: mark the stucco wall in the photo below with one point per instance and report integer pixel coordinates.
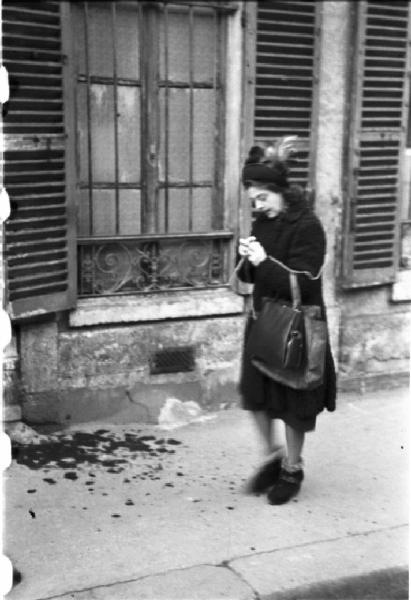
(329, 129)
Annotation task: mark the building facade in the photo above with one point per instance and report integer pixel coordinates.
(124, 137)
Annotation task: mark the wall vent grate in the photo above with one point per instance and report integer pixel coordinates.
(173, 360)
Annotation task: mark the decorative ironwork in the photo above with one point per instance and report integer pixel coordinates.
(130, 266)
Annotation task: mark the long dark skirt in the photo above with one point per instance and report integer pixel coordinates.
(297, 408)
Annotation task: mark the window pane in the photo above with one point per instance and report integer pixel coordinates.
(103, 206)
(203, 134)
(128, 99)
(77, 16)
(82, 132)
(103, 212)
(179, 134)
(178, 45)
(130, 212)
(83, 213)
(179, 211)
(204, 46)
(202, 209)
(100, 36)
(175, 33)
(102, 132)
(127, 40)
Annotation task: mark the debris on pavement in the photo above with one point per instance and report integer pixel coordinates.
(20, 433)
(80, 454)
(176, 413)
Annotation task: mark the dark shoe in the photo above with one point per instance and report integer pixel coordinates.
(265, 477)
(287, 486)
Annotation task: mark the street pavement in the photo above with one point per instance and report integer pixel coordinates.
(135, 512)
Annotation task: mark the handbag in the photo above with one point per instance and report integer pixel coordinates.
(288, 342)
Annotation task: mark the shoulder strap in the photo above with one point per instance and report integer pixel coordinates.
(295, 290)
(309, 275)
(233, 275)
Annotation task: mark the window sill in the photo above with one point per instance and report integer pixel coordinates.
(401, 289)
(155, 307)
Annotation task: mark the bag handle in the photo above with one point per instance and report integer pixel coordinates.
(235, 270)
(295, 290)
(294, 286)
(309, 275)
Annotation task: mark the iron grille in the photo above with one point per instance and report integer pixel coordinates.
(173, 360)
(151, 264)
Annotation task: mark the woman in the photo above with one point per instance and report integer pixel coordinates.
(287, 229)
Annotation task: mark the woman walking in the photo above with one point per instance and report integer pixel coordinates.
(286, 229)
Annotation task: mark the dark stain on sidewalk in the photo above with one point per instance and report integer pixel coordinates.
(108, 450)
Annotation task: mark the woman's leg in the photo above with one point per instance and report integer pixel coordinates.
(263, 423)
(273, 447)
(295, 443)
(271, 432)
(292, 474)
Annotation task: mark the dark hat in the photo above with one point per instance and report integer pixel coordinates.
(272, 172)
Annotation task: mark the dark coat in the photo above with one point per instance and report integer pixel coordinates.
(296, 238)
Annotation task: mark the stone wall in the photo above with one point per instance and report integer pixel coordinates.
(374, 340)
(11, 383)
(80, 374)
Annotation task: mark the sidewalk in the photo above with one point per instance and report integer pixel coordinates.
(172, 522)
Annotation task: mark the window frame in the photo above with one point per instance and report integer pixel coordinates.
(222, 235)
(177, 303)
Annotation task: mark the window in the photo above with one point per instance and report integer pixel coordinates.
(377, 142)
(149, 112)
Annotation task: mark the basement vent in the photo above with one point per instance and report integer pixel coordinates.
(173, 360)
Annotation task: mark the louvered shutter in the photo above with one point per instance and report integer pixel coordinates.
(287, 76)
(377, 136)
(39, 239)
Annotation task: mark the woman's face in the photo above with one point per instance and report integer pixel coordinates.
(265, 201)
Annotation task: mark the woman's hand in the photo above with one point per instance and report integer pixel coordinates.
(244, 246)
(256, 253)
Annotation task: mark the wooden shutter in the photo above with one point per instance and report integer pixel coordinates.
(39, 238)
(287, 76)
(376, 145)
